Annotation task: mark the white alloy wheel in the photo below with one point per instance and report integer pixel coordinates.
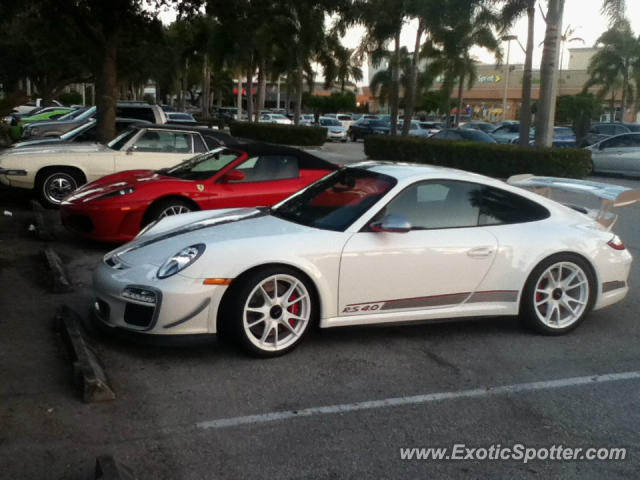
(276, 313)
(561, 295)
(174, 210)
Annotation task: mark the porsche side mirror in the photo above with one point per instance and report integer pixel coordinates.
(393, 223)
(233, 176)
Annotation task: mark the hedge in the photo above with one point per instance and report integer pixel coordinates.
(282, 134)
(492, 159)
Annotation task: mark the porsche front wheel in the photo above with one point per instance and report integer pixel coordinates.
(272, 311)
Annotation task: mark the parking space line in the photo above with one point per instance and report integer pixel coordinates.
(419, 399)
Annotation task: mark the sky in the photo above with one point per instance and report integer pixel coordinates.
(583, 16)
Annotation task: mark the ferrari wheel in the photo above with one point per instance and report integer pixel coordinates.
(272, 311)
(558, 294)
(167, 208)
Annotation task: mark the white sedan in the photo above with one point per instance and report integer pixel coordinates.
(54, 171)
(369, 244)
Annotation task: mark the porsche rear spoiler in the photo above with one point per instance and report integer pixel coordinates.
(611, 196)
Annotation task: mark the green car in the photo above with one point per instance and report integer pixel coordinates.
(49, 113)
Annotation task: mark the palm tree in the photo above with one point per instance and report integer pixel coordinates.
(463, 25)
(381, 83)
(511, 11)
(615, 10)
(613, 63)
(549, 74)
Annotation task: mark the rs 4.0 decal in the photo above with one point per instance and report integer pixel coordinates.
(363, 308)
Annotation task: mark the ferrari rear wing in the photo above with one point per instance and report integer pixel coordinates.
(611, 196)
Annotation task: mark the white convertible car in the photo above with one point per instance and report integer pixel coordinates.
(372, 243)
(54, 171)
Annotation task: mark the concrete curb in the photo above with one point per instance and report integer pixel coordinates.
(107, 468)
(60, 282)
(88, 372)
(42, 231)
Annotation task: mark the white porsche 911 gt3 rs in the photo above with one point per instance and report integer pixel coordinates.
(372, 243)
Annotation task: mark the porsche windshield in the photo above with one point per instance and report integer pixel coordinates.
(336, 201)
(202, 166)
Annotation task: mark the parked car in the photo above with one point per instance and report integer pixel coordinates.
(180, 117)
(307, 119)
(562, 137)
(54, 171)
(463, 134)
(432, 127)
(608, 128)
(370, 244)
(619, 154)
(31, 106)
(142, 111)
(83, 133)
(60, 126)
(335, 129)
(345, 120)
(242, 176)
(415, 130)
(49, 113)
(275, 118)
(365, 126)
(486, 127)
(506, 133)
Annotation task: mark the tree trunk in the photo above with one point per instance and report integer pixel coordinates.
(549, 75)
(239, 97)
(206, 88)
(107, 92)
(623, 100)
(460, 98)
(395, 84)
(298, 106)
(525, 110)
(262, 85)
(612, 106)
(410, 95)
(250, 93)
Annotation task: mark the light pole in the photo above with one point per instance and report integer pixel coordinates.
(508, 39)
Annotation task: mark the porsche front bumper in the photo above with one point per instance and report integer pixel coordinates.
(132, 298)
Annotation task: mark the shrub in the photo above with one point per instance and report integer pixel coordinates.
(70, 98)
(282, 134)
(492, 159)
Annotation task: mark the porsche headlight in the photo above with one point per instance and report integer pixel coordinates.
(181, 260)
(118, 193)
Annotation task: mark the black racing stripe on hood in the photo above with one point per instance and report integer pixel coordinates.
(259, 212)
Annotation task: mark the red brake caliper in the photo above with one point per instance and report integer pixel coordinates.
(293, 309)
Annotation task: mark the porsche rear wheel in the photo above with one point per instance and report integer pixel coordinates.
(558, 295)
(272, 311)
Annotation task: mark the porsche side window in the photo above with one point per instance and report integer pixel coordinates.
(269, 167)
(438, 204)
(499, 207)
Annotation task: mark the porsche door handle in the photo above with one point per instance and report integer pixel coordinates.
(480, 252)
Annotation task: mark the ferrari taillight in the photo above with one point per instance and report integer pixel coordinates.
(616, 243)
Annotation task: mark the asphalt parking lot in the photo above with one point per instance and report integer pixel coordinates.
(340, 406)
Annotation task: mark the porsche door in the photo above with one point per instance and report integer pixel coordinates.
(440, 262)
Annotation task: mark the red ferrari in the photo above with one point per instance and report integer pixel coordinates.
(116, 207)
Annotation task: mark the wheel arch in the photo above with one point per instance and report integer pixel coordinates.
(172, 196)
(588, 262)
(45, 169)
(237, 281)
